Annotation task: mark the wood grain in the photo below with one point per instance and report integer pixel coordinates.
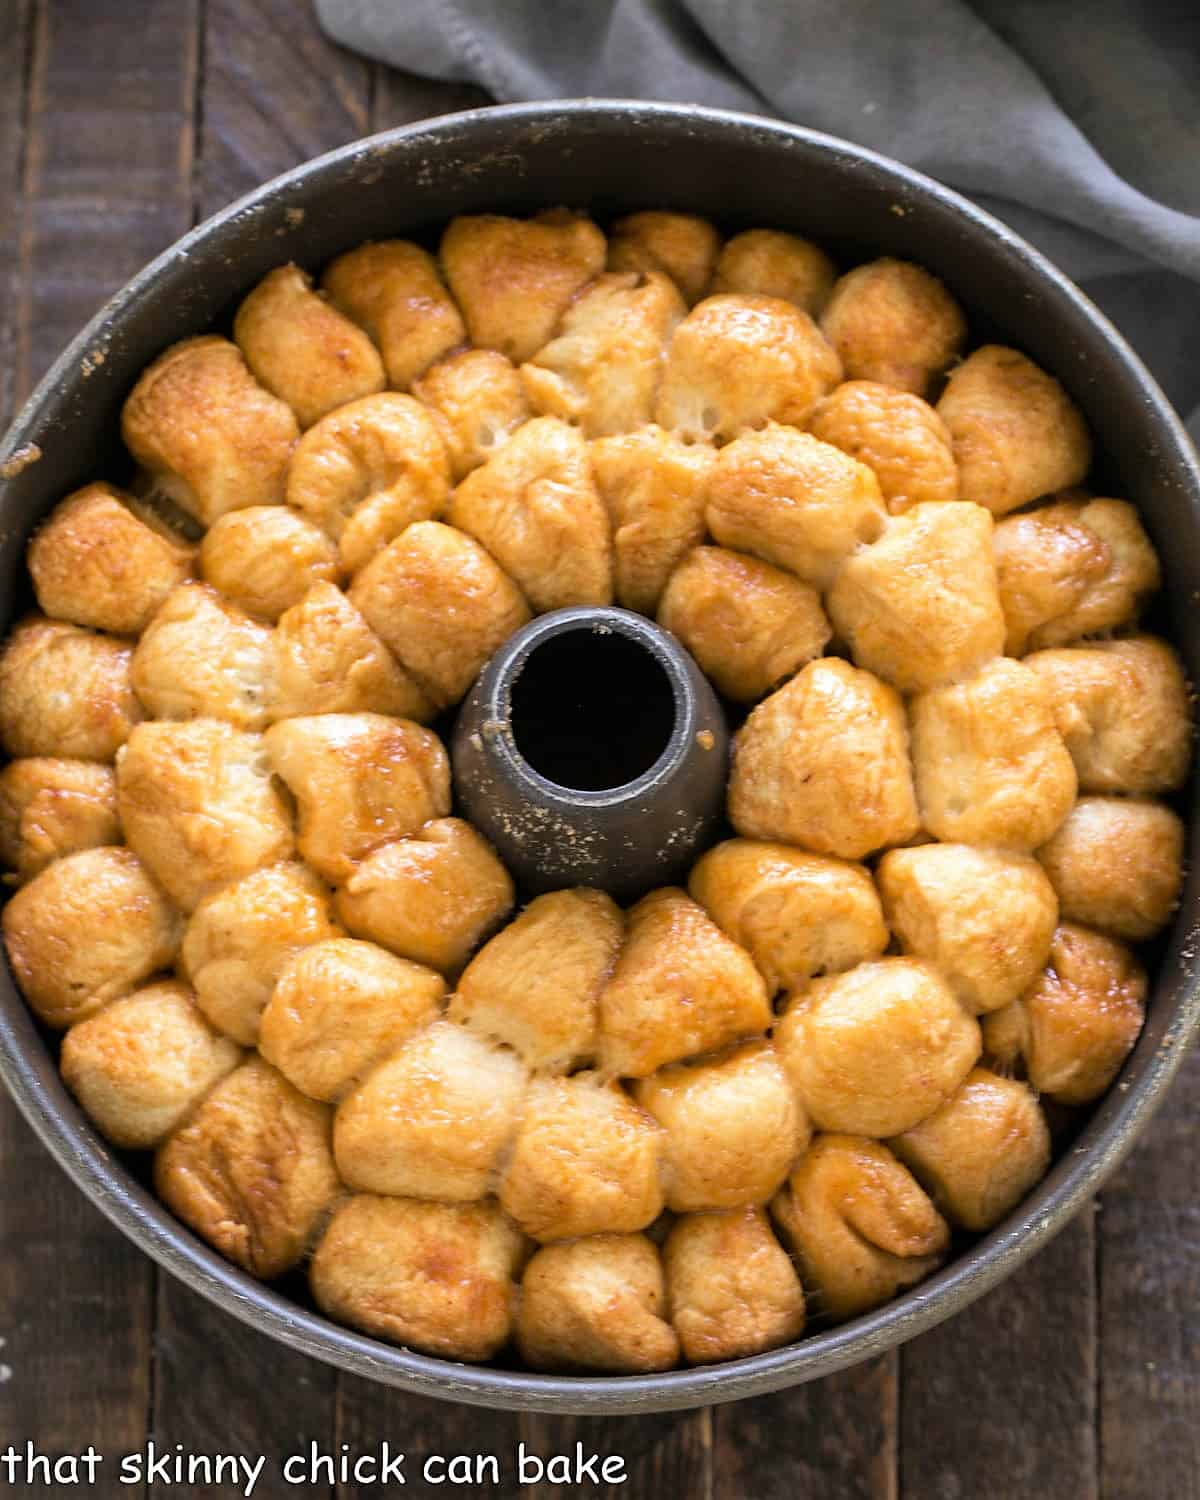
(665, 1454)
(402, 98)
(15, 48)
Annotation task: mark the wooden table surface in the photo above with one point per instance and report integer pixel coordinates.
(122, 122)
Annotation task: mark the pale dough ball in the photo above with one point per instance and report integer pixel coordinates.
(65, 691)
(749, 625)
(1016, 433)
(251, 1170)
(793, 501)
(920, 606)
(737, 362)
(431, 898)
(240, 939)
(824, 763)
(266, 558)
(586, 1160)
(477, 400)
(533, 505)
(1124, 711)
(899, 437)
(97, 563)
(985, 918)
(1075, 1026)
(50, 807)
(990, 764)
(142, 1063)
(432, 1120)
(437, 1277)
(514, 278)
(875, 1050)
(893, 322)
(733, 1128)
(339, 1007)
(655, 488)
(681, 246)
(981, 1152)
(732, 1289)
(796, 914)
(596, 1304)
(860, 1226)
(603, 368)
(302, 349)
(769, 263)
(89, 928)
(680, 987)
(536, 984)
(198, 804)
(359, 781)
(210, 436)
(1116, 863)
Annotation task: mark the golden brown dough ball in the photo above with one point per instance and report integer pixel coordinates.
(142, 1063)
(981, 1152)
(794, 502)
(329, 660)
(394, 290)
(681, 246)
(990, 764)
(769, 263)
(899, 437)
(656, 490)
(202, 657)
(266, 558)
(198, 804)
(1016, 433)
(302, 349)
(437, 1277)
(1116, 863)
(432, 897)
(96, 563)
(209, 435)
(433, 1120)
(89, 928)
(251, 1171)
(796, 914)
(367, 471)
(514, 278)
(586, 1160)
(983, 917)
(596, 1304)
(478, 402)
(1070, 569)
(339, 1007)
(893, 322)
(65, 691)
(603, 368)
(732, 1289)
(536, 984)
(859, 1224)
(875, 1050)
(439, 602)
(920, 607)
(360, 781)
(680, 987)
(824, 763)
(748, 625)
(239, 941)
(733, 1128)
(1124, 712)
(50, 807)
(1076, 1025)
(737, 362)
(535, 508)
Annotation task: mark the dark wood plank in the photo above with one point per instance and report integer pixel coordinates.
(664, 1455)
(15, 59)
(1001, 1400)
(402, 98)
(1149, 1262)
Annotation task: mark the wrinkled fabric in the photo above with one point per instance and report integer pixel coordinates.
(1076, 123)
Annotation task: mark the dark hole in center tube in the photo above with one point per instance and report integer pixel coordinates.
(592, 710)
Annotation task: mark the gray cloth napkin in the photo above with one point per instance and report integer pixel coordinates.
(1076, 121)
